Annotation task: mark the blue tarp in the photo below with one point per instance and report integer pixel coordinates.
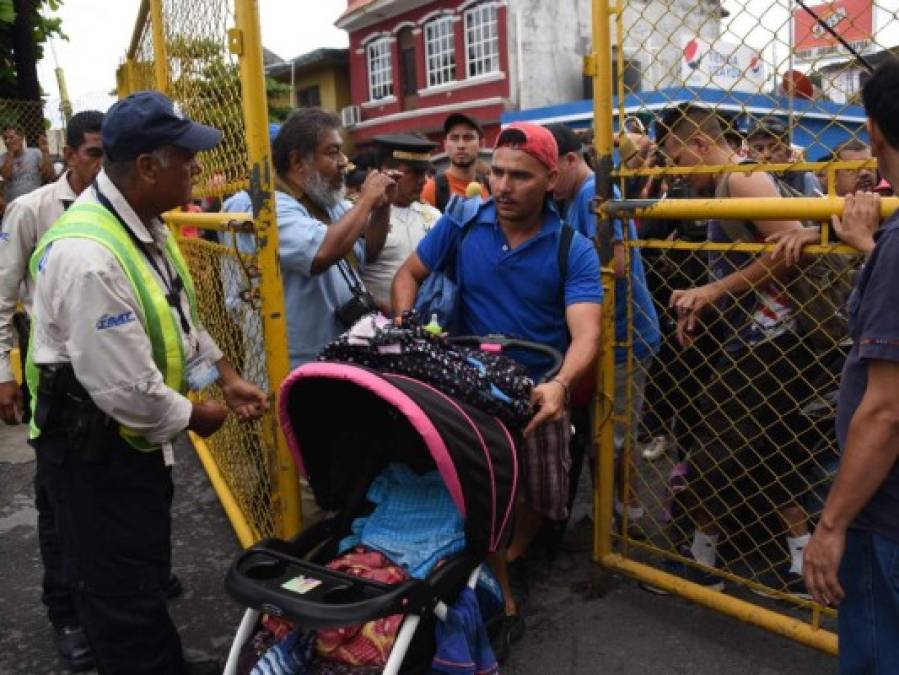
(820, 125)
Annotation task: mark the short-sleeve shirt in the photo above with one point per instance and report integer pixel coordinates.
(408, 224)
(518, 291)
(26, 174)
(646, 334)
(874, 325)
(309, 299)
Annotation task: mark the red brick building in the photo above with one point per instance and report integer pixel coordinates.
(412, 62)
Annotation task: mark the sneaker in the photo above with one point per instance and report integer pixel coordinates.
(655, 449)
(784, 580)
(73, 648)
(688, 573)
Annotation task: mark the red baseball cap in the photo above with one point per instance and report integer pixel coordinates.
(533, 139)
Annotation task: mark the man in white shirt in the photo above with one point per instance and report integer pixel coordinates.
(24, 223)
(116, 346)
(407, 158)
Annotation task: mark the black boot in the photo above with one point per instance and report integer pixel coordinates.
(75, 652)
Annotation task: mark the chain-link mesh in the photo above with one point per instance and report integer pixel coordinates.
(786, 90)
(202, 76)
(26, 118)
(204, 80)
(231, 316)
(140, 62)
(724, 429)
(730, 432)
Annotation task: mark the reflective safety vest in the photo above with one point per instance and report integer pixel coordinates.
(92, 221)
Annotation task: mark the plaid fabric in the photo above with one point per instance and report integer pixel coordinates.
(545, 464)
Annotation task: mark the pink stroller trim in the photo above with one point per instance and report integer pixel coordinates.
(385, 391)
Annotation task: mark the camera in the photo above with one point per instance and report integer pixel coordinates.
(355, 308)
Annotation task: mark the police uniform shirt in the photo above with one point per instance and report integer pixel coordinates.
(86, 314)
(24, 223)
(407, 227)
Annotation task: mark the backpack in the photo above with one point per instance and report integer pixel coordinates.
(439, 293)
(442, 189)
(819, 290)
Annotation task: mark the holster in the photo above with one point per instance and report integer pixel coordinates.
(65, 409)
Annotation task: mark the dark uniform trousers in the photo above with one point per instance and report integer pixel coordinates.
(56, 596)
(111, 506)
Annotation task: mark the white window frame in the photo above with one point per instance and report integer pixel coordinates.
(440, 50)
(380, 68)
(481, 48)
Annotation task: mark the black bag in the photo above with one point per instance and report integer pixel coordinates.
(360, 304)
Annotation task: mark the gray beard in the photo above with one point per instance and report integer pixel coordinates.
(320, 192)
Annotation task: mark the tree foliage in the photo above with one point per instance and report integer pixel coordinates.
(43, 26)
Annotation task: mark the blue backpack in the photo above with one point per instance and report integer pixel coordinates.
(438, 295)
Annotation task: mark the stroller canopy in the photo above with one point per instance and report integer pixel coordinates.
(345, 423)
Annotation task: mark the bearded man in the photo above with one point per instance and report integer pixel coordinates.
(323, 240)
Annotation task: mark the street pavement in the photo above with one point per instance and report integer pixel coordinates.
(628, 631)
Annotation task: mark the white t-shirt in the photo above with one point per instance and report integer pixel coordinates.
(408, 225)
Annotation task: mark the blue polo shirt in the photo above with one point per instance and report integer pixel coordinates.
(516, 292)
(874, 326)
(646, 335)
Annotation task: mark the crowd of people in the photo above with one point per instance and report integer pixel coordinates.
(721, 358)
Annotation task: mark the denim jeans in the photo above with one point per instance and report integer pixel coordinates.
(869, 613)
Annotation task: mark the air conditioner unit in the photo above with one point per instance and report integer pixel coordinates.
(350, 115)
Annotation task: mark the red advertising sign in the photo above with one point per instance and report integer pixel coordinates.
(852, 20)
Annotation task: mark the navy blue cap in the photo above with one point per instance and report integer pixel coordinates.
(146, 121)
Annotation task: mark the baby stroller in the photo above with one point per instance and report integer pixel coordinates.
(344, 424)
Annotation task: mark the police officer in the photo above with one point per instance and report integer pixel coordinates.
(116, 345)
(406, 158)
(26, 220)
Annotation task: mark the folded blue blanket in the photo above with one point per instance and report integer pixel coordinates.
(415, 522)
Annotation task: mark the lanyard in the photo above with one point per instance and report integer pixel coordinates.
(170, 280)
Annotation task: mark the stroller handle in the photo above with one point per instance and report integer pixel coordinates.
(500, 343)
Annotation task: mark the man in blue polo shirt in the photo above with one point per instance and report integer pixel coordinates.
(851, 559)
(575, 191)
(510, 283)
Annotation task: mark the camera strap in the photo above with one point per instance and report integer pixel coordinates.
(347, 265)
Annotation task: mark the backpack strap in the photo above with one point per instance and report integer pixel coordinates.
(564, 249)
(442, 191)
(484, 181)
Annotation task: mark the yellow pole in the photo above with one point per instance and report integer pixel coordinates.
(245, 41)
(604, 484)
(160, 53)
(245, 532)
(599, 65)
(769, 208)
(747, 612)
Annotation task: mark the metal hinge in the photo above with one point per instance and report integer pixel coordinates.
(235, 41)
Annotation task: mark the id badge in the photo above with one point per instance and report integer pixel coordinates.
(201, 373)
